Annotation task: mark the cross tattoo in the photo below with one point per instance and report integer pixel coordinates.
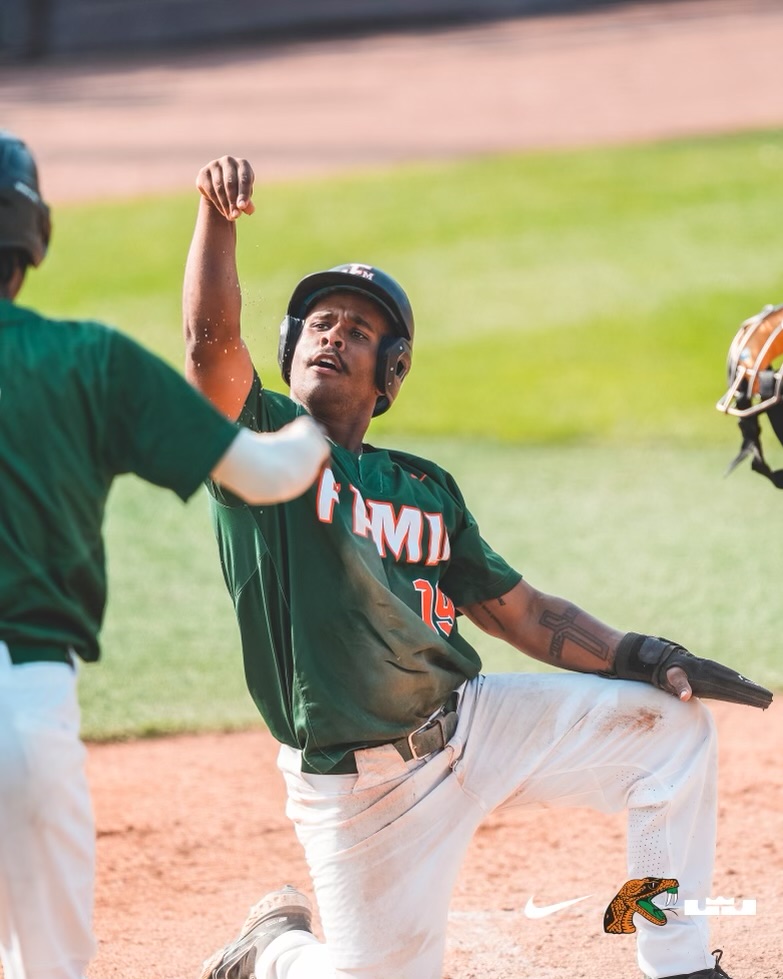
(564, 628)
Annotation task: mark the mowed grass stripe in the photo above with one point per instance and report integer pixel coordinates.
(558, 295)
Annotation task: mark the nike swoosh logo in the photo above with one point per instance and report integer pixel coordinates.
(531, 911)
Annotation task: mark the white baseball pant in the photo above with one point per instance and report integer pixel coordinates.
(384, 846)
(47, 834)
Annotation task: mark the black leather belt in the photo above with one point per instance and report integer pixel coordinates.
(432, 736)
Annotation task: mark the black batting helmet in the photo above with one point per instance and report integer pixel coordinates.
(24, 217)
(394, 352)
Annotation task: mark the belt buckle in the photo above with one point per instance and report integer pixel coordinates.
(426, 727)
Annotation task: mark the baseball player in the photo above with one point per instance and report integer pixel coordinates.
(394, 745)
(79, 404)
(756, 386)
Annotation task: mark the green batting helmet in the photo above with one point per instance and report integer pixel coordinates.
(394, 352)
(24, 217)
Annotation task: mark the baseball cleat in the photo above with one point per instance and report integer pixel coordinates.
(276, 913)
(714, 973)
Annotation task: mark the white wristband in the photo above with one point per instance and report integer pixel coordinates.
(276, 466)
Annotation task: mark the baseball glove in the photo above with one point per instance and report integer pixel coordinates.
(648, 658)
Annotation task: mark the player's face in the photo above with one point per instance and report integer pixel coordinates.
(333, 367)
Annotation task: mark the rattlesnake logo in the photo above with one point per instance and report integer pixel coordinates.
(635, 897)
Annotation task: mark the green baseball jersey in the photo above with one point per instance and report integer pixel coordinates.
(346, 597)
(80, 404)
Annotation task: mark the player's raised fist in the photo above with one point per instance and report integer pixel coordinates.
(227, 184)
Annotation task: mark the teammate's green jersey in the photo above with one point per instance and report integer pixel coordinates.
(80, 404)
(346, 596)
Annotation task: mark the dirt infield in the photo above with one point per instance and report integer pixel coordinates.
(191, 831)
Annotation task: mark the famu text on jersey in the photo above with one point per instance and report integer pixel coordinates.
(419, 534)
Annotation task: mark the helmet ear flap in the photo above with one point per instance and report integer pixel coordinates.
(290, 331)
(392, 366)
(768, 383)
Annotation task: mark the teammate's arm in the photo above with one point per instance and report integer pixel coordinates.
(273, 467)
(557, 632)
(217, 361)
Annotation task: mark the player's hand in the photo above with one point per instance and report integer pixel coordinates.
(677, 683)
(227, 184)
(671, 667)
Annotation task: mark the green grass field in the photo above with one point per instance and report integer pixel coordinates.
(573, 316)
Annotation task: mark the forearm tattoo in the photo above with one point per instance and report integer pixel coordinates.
(485, 608)
(565, 628)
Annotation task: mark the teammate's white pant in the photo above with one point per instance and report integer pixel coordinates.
(47, 835)
(385, 846)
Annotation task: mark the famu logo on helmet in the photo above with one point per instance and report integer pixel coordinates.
(25, 224)
(394, 352)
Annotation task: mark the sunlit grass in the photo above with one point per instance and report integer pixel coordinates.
(648, 539)
(573, 315)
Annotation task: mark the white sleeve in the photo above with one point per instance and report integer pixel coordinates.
(273, 467)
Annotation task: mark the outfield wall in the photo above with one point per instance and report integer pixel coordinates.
(31, 29)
